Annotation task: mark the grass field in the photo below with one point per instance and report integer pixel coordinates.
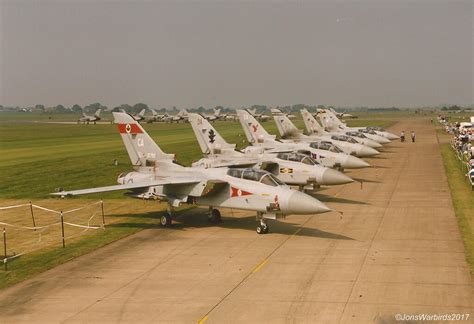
(463, 200)
(37, 156)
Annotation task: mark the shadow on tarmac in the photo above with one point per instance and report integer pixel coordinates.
(326, 198)
(197, 218)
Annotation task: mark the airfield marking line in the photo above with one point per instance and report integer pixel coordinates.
(261, 264)
(257, 268)
(171, 256)
(372, 239)
(203, 319)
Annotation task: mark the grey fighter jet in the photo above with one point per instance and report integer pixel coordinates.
(140, 116)
(260, 117)
(85, 119)
(156, 117)
(290, 167)
(342, 115)
(214, 116)
(157, 176)
(332, 123)
(290, 133)
(313, 127)
(182, 115)
(333, 157)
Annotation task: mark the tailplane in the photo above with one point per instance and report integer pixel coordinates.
(254, 132)
(311, 124)
(141, 148)
(285, 126)
(210, 141)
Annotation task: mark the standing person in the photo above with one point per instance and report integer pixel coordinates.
(402, 136)
(413, 136)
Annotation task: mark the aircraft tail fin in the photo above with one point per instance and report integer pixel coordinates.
(254, 132)
(141, 148)
(285, 126)
(311, 124)
(97, 113)
(217, 112)
(276, 112)
(210, 141)
(330, 121)
(142, 112)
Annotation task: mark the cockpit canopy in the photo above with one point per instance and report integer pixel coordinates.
(325, 145)
(368, 131)
(376, 128)
(356, 134)
(343, 138)
(255, 175)
(297, 157)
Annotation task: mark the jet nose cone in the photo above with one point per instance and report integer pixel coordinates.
(354, 163)
(374, 144)
(383, 140)
(367, 151)
(392, 136)
(301, 203)
(334, 177)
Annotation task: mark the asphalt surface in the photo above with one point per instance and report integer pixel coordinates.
(396, 249)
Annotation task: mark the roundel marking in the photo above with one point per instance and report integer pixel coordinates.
(128, 128)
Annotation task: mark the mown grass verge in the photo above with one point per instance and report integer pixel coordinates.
(39, 261)
(463, 200)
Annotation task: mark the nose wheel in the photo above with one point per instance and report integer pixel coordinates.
(262, 228)
(165, 220)
(214, 216)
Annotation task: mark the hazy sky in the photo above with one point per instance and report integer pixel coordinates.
(236, 53)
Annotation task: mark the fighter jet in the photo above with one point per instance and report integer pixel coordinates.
(313, 128)
(182, 115)
(278, 112)
(342, 115)
(260, 117)
(331, 157)
(290, 133)
(290, 167)
(156, 175)
(156, 117)
(213, 117)
(140, 116)
(332, 123)
(85, 119)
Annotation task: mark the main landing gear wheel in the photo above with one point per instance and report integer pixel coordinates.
(215, 216)
(262, 229)
(165, 220)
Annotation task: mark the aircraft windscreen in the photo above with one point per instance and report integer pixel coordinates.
(339, 138)
(309, 161)
(268, 181)
(326, 146)
(356, 134)
(236, 173)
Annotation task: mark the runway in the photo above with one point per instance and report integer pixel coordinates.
(396, 249)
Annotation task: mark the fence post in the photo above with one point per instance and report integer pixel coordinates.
(32, 216)
(103, 215)
(62, 229)
(5, 249)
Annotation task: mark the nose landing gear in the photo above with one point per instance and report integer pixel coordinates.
(262, 228)
(214, 215)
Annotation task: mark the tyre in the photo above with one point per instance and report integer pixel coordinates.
(165, 220)
(215, 216)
